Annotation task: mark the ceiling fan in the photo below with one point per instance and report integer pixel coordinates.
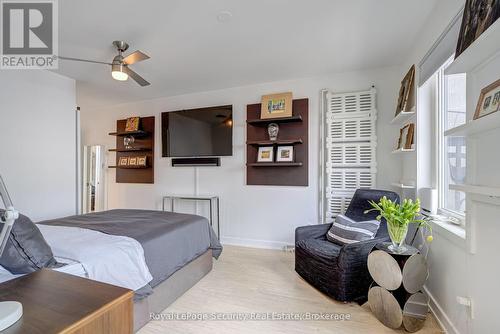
(120, 69)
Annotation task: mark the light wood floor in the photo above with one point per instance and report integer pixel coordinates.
(254, 280)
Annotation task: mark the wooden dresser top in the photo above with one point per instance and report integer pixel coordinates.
(55, 302)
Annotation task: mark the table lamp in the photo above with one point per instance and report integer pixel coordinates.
(10, 312)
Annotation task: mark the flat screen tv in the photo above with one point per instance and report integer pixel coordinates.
(202, 132)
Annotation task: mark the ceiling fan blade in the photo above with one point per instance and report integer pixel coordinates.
(83, 60)
(140, 80)
(135, 57)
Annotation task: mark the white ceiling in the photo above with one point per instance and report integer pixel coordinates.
(266, 40)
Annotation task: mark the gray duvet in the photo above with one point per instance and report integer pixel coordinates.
(170, 240)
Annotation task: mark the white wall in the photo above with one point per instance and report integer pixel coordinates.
(263, 216)
(454, 271)
(37, 140)
(482, 269)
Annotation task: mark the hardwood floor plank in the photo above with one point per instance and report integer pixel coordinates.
(247, 280)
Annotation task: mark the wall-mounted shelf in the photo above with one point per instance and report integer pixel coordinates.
(476, 127)
(130, 167)
(130, 150)
(292, 131)
(275, 164)
(139, 133)
(403, 150)
(264, 122)
(144, 140)
(484, 48)
(403, 117)
(479, 190)
(275, 142)
(403, 185)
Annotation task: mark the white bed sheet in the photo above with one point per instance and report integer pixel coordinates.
(106, 258)
(70, 267)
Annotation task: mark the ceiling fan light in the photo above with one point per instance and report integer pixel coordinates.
(117, 72)
(120, 76)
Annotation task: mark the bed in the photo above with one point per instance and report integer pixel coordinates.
(157, 254)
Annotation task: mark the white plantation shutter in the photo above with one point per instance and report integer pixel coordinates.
(350, 148)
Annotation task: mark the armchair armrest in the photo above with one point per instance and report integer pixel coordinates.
(356, 255)
(311, 231)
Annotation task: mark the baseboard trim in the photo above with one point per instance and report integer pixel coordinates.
(253, 243)
(441, 317)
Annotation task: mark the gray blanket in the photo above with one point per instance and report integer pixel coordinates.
(170, 240)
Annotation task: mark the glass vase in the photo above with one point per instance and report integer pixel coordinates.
(397, 233)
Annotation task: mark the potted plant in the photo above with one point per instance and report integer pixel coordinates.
(398, 218)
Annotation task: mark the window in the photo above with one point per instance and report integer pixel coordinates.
(451, 151)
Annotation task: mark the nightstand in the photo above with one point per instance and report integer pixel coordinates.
(55, 302)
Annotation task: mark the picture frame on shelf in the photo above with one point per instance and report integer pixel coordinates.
(477, 18)
(407, 87)
(489, 100)
(265, 154)
(276, 105)
(400, 139)
(284, 154)
(123, 161)
(132, 161)
(132, 124)
(406, 137)
(141, 161)
(410, 136)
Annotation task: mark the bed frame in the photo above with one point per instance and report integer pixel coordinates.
(169, 290)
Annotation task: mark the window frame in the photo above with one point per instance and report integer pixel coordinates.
(442, 163)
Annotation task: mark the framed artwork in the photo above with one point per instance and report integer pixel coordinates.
(266, 154)
(141, 161)
(405, 92)
(285, 154)
(132, 124)
(276, 106)
(478, 16)
(406, 137)
(123, 161)
(489, 100)
(132, 161)
(400, 139)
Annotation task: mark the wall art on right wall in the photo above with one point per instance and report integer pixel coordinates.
(489, 100)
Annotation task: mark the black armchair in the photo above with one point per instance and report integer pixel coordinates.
(340, 271)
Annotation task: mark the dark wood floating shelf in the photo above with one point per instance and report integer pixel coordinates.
(275, 164)
(130, 167)
(130, 150)
(263, 122)
(293, 131)
(275, 142)
(138, 133)
(144, 146)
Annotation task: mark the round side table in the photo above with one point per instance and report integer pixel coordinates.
(395, 296)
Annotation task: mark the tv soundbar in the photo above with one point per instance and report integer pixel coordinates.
(195, 162)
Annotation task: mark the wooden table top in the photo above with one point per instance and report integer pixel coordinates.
(55, 302)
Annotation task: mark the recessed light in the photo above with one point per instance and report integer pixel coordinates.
(224, 16)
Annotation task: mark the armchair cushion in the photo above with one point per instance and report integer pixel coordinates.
(320, 249)
(347, 231)
(355, 255)
(361, 202)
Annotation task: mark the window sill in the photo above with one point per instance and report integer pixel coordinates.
(451, 232)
